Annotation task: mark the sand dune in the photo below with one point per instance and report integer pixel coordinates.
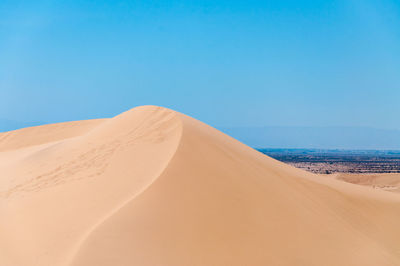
(44, 134)
(155, 187)
(384, 181)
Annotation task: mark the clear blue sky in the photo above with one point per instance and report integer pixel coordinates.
(228, 63)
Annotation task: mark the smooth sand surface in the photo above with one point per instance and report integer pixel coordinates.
(155, 187)
(383, 181)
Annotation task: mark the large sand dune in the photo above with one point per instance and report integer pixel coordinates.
(155, 187)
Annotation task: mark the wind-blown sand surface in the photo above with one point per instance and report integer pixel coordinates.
(155, 187)
(384, 181)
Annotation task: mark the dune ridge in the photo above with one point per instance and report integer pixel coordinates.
(155, 187)
(32, 136)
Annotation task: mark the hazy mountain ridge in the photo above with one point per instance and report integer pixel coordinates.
(357, 138)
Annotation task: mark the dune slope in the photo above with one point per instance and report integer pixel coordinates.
(155, 187)
(44, 134)
(384, 181)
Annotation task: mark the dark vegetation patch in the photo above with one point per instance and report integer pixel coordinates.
(344, 161)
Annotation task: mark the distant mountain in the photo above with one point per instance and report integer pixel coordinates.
(317, 137)
(7, 125)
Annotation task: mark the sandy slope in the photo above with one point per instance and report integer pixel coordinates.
(44, 134)
(387, 181)
(155, 187)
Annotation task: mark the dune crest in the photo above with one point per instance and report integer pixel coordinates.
(155, 187)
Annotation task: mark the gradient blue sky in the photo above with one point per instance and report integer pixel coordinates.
(228, 63)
